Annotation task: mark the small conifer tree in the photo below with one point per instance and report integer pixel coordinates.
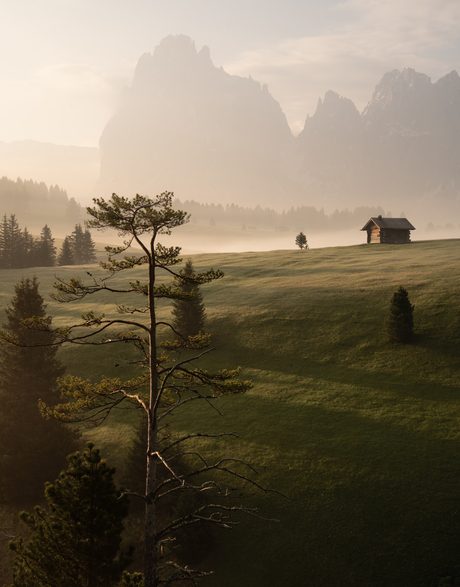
(66, 253)
(189, 313)
(399, 324)
(89, 247)
(45, 249)
(301, 241)
(76, 541)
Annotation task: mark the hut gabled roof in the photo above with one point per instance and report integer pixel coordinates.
(379, 222)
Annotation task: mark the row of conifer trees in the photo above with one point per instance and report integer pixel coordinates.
(19, 249)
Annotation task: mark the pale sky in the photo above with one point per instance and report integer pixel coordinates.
(64, 62)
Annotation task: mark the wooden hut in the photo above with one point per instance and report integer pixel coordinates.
(394, 231)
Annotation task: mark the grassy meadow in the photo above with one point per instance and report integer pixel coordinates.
(363, 436)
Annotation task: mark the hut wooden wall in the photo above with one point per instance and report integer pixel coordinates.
(389, 236)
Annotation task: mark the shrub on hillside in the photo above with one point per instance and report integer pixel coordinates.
(399, 324)
(188, 314)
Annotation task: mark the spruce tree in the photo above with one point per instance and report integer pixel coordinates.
(29, 248)
(189, 313)
(76, 541)
(66, 253)
(83, 247)
(77, 244)
(11, 243)
(46, 251)
(32, 449)
(89, 248)
(399, 324)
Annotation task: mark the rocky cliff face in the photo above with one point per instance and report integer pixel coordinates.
(189, 127)
(404, 146)
(412, 126)
(330, 150)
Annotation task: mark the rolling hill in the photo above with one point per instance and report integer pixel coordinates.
(361, 435)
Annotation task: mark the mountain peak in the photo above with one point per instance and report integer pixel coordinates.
(450, 81)
(178, 47)
(400, 96)
(333, 112)
(182, 112)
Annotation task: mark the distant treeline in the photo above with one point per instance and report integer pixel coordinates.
(35, 200)
(19, 249)
(306, 218)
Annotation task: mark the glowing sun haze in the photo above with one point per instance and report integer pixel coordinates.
(65, 62)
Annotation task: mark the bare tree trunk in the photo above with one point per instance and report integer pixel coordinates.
(150, 556)
(150, 560)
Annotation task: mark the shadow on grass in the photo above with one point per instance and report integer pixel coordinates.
(374, 467)
(375, 503)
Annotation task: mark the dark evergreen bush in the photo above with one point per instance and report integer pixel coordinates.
(189, 314)
(399, 324)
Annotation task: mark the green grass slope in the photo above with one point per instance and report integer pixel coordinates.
(363, 436)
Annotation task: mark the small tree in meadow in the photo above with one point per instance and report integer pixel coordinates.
(399, 324)
(189, 313)
(301, 241)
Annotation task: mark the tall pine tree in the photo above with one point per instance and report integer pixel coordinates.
(32, 449)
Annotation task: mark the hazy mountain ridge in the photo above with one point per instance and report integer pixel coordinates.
(186, 125)
(404, 146)
(189, 126)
